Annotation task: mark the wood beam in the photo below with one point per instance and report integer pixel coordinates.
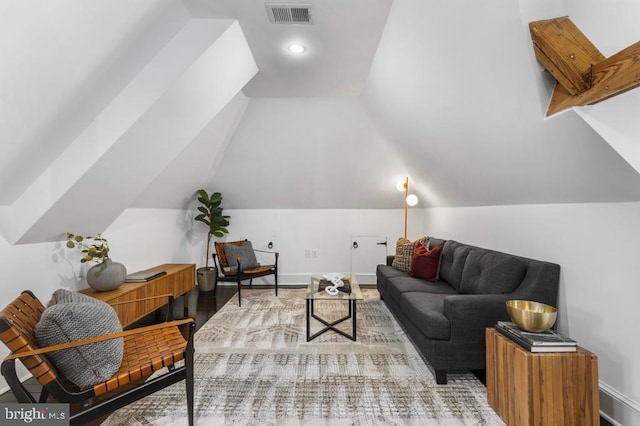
(565, 52)
(613, 76)
(584, 75)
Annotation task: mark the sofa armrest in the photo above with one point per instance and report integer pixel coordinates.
(470, 314)
(390, 260)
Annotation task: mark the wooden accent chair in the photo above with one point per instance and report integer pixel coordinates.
(224, 272)
(146, 350)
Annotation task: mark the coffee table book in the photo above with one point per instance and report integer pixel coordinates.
(548, 341)
(144, 276)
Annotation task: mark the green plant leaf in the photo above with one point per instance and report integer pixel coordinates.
(203, 194)
(211, 214)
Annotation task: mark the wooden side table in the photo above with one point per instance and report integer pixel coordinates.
(180, 278)
(526, 388)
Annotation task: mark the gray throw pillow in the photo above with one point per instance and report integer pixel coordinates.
(435, 242)
(244, 252)
(66, 296)
(85, 365)
(432, 243)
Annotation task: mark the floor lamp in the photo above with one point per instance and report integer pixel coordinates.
(410, 200)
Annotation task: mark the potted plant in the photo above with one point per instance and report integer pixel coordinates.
(211, 215)
(106, 274)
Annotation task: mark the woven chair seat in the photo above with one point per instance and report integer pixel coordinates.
(144, 354)
(257, 270)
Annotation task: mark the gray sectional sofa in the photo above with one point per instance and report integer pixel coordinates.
(447, 319)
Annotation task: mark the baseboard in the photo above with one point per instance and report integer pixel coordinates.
(617, 408)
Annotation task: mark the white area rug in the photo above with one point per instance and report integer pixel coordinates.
(254, 367)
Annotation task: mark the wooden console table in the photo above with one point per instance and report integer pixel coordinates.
(525, 388)
(180, 278)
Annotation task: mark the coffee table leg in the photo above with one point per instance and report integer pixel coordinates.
(331, 325)
(353, 319)
(308, 321)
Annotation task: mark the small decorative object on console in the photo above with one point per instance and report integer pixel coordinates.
(105, 275)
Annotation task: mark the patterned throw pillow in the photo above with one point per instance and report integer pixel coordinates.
(75, 320)
(404, 253)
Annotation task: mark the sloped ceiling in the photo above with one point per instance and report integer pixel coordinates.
(457, 98)
(463, 101)
(447, 92)
(62, 63)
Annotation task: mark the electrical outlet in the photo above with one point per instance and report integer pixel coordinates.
(314, 253)
(307, 254)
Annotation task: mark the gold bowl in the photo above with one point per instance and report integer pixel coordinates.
(531, 316)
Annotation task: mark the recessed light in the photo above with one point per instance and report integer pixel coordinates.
(297, 48)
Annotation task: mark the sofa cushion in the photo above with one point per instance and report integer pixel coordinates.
(404, 253)
(385, 272)
(399, 285)
(424, 263)
(452, 259)
(426, 312)
(67, 322)
(244, 252)
(491, 273)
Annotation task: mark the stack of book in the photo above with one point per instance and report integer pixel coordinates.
(144, 276)
(548, 341)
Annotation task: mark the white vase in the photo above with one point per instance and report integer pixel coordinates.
(106, 278)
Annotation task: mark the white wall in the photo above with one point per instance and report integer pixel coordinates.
(597, 246)
(329, 231)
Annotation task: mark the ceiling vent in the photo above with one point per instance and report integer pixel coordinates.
(289, 13)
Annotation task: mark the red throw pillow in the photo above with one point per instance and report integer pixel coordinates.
(424, 263)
